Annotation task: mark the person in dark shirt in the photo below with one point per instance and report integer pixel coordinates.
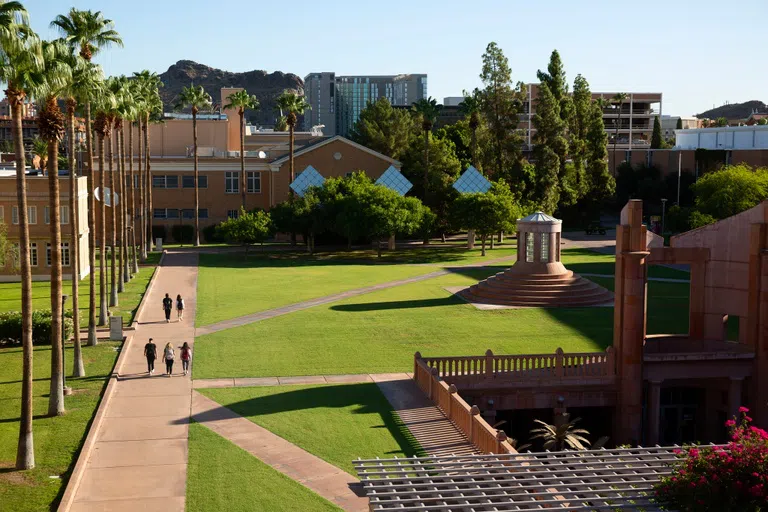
(150, 352)
(167, 307)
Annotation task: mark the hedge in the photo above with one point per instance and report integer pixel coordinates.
(10, 327)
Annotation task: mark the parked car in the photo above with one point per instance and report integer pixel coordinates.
(595, 228)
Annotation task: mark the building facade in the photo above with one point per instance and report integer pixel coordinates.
(337, 101)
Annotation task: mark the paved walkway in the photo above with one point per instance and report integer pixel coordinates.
(139, 459)
(309, 470)
(291, 308)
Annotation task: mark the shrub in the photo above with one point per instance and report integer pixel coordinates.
(184, 234)
(728, 479)
(10, 327)
(158, 232)
(212, 235)
(698, 219)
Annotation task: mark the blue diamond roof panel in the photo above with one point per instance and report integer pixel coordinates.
(394, 179)
(309, 177)
(472, 181)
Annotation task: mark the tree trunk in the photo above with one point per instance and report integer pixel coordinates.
(500, 238)
(197, 175)
(132, 210)
(482, 245)
(25, 453)
(102, 238)
(147, 166)
(242, 154)
(290, 160)
(78, 369)
(378, 247)
(92, 339)
(142, 194)
(56, 395)
(113, 220)
(426, 179)
(123, 208)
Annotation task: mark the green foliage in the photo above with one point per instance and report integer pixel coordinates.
(486, 213)
(762, 121)
(460, 134)
(721, 122)
(193, 97)
(550, 150)
(291, 105)
(427, 110)
(679, 125)
(247, 228)
(640, 182)
(10, 327)
(242, 101)
(562, 436)
(656, 140)
(385, 129)
(211, 234)
(731, 190)
(601, 183)
(556, 82)
(385, 212)
(281, 124)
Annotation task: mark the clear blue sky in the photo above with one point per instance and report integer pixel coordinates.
(698, 53)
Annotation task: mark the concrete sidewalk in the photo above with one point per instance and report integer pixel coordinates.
(139, 458)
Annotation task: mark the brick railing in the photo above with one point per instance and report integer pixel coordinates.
(468, 419)
(520, 368)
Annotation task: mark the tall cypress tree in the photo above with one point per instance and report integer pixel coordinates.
(600, 182)
(656, 142)
(549, 144)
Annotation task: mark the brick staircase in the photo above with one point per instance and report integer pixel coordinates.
(537, 290)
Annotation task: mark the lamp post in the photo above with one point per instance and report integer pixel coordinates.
(663, 211)
(67, 391)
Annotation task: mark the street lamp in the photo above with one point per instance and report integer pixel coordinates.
(663, 211)
(67, 391)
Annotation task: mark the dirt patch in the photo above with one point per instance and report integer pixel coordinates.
(9, 474)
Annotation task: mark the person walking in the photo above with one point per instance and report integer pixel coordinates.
(179, 308)
(186, 357)
(168, 355)
(150, 352)
(167, 307)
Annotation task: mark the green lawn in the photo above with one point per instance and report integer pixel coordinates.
(222, 476)
(229, 285)
(57, 440)
(128, 301)
(338, 423)
(585, 261)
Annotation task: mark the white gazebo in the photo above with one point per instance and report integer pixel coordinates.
(538, 245)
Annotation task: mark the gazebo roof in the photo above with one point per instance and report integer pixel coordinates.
(540, 217)
(621, 478)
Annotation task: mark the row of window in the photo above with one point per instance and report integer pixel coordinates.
(32, 214)
(187, 213)
(33, 259)
(231, 182)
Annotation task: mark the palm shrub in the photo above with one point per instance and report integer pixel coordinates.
(10, 327)
(561, 436)
(726, 478)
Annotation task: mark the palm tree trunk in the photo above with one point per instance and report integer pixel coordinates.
(290, 159)
(142, 194)
(147, 166)
(102, 238)
(78, 369)
(132, 212)
(123, 267)
(25, 453)
(113, 223)
(426, 179)
(197, 193)
(242, 154)
(56, 395)
(92, 339)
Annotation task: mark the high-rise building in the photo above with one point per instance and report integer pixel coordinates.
(337, 101)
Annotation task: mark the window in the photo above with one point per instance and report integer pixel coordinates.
(231, 182)
(188, 213)
(188, 181)
(32, 214)
(171, 182)
(254, 182)
(529, 247)
(16, 254)
(202, 181)
(64, 214)
(171, 213)
(159, 213)
(65, 254)
(232, 214)
(544, 247)
(15, 214)
(33, 254)
(46, 215)
(136, 180)
(202, 213)
(158, 181)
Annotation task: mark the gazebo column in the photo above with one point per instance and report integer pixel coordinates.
(520, 246)
(557, 244)
(552, 252)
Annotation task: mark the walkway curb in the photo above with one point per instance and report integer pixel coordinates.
(93, 432)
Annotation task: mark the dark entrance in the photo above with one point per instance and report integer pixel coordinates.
(682, 415)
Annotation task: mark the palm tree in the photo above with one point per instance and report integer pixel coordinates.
(618, 99)
(86, 78)
(115, 90)
(196, 98)
(101, 127)
(88, 32)
(242, 101)
(294, 105)
(40, 150)
(20, 58)
(281, 125)
(54, 77)
(428, 109)
(133, 99)
(152, 105)
(125, 111)
(470, 106)
(563, 434)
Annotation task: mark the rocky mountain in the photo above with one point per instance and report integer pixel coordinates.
(734, 110)
(266, 86)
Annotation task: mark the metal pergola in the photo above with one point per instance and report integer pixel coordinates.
(618, 479)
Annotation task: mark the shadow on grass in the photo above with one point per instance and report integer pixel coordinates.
(366, 396)
(398, 304)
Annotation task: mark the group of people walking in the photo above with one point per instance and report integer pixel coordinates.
(169, 354)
